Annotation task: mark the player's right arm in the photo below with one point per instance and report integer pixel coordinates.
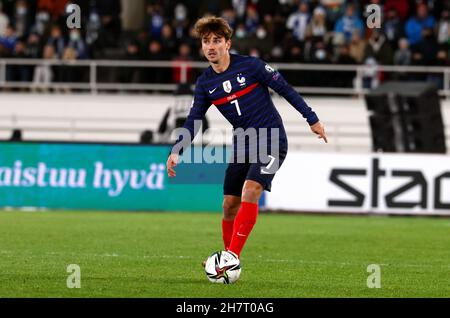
(199, 107)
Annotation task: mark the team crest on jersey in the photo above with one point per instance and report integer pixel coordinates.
(269, 68)
(227, 86)
(241, 80)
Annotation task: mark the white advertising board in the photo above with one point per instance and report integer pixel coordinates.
(362, 183)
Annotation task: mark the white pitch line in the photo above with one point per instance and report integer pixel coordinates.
(260, 258)
(346, 263)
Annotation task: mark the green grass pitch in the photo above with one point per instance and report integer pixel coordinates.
(159, 255)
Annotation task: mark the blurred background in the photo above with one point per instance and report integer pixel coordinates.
(125, 79)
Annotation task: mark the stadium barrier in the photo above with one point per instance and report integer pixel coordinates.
(95, 67)
(409, 184)
(104, 177)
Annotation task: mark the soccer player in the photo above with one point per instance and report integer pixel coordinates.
(238, 86)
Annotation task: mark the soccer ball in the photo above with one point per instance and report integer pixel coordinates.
(223, 267)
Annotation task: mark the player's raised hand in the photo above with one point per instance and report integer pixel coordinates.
(172, 163)
(319, 129)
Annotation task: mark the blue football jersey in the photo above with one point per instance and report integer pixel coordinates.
(241, 94)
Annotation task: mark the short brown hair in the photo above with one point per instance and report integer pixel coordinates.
(215, 25)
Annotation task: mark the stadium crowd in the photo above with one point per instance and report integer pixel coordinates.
(412, 32)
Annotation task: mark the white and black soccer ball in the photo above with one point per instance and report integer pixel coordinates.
(223, 267)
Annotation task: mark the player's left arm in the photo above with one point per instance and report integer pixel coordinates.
(268, 76)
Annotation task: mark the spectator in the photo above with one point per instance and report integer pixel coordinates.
(18, 73)
(230, 16)
(392, 27)
(33, 48)
(344, 56)
(319, 53)
(260, 41)
(56, 40)
(155, 53)
(251, 20)
(69, 73)
(317, 28)
(279, 27)
(344, 78)
(76, 42)
(370, 73)
(42, 22)
(357, 47)
(239, 7)
(379, 48)
(440, 60)
(254, 52)
(131, 74)
(181, 23)
(417, 58)
(178, 74)
(22, 18)
(43, 74)
(155, 21)
(193, 43)
(295, 55)
(415, 26)
(111, 26)
(168, 41)
(334, 9)
(4, 21)
(93, 26)
(298, 22)
(403, 54)
(428, 47)
(348, 24)
(240, 41)
(269, 25)
(276, 54)
(8, 42)
(443, 29)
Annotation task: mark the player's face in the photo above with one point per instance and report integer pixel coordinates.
(215, 48)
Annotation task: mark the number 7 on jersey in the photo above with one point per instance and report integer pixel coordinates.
(237, 106)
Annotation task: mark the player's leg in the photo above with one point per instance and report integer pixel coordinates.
(231, 204)
(259, 178)
(246, 216)
(232, 189)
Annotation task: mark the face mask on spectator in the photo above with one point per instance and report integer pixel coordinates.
(180, 12)
(240, 33)
(74, 36)
(21, 10)
(320, 54)
(261, 34)
(43, 16)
